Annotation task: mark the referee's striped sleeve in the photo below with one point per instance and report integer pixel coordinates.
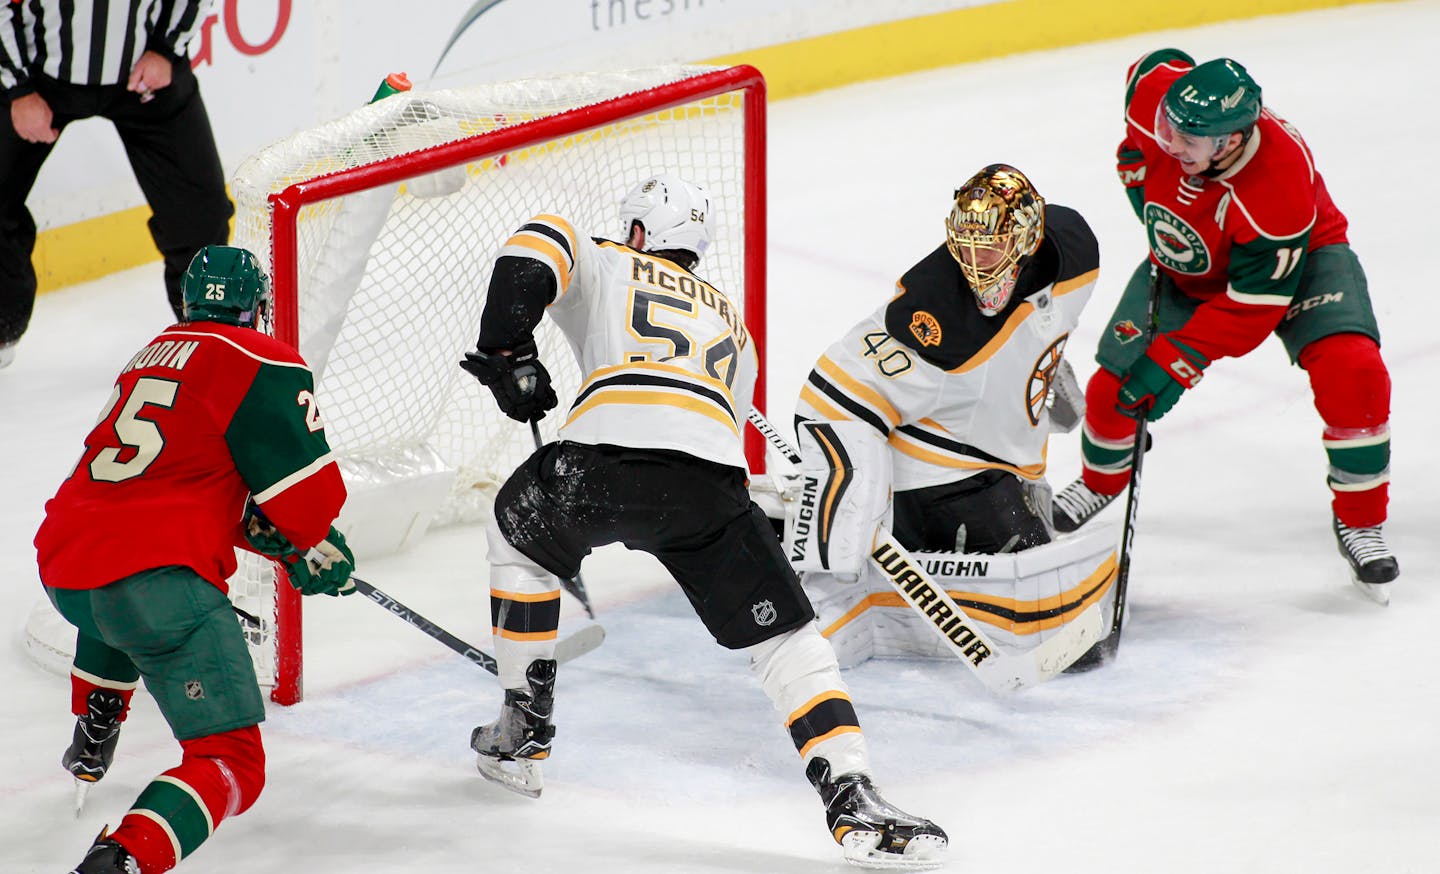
(13, 62)
(177, 22)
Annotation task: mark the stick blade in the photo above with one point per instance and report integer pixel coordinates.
(576, 645)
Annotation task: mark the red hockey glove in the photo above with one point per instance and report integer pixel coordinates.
(1153, 384)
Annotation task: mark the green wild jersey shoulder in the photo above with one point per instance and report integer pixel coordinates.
(276, 434)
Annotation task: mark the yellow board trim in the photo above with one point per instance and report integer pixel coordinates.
(981, 33)
(96, 247)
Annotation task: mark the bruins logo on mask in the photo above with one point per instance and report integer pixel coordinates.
(1038, 387)
(926, 328)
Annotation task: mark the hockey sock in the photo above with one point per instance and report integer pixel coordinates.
(220, 775)
(82, 686)
(1352, 394)
(799, 672)
(1107, 441)
(524, 612)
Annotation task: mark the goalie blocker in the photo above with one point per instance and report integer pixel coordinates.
(843, 496)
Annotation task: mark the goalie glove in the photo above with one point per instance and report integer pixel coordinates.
(520, 383)
(324, 569)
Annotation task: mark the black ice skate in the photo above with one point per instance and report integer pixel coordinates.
(1077, 504)
(511, 748)
(1372, 564)
(873, 833)
(107, 857)
(92, 748)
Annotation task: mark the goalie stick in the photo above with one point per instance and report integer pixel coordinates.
(572, 647)
(998, 671)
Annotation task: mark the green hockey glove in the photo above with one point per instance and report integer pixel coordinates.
(324, 569)
(264, 538)
(1154, 383)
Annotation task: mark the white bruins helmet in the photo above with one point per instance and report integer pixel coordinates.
(998, 219)
(675, 214)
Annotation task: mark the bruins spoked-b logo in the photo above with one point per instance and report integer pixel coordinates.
(1176, 245)
(1043, 374)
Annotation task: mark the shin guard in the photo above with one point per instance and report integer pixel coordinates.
(800, 675)
(219, 776)
(1352, 394)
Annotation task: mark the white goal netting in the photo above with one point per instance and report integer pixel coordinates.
(380, 229)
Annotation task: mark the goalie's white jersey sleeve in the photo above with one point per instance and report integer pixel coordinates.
(956, 392)
(666, 359)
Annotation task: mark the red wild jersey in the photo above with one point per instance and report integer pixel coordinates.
(204, 415)
(1236, 240)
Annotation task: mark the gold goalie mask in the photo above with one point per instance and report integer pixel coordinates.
(998, 219)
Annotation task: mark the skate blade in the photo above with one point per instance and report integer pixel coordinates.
(521, 776)
(82, 789)
(1377, 592)
(922, 853)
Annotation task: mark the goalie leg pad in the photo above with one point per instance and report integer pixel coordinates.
(844, 496)
(1025, 598)
(843, 615)
(799, 673)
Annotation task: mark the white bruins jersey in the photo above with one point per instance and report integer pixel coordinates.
(954, 391)
(668, 362)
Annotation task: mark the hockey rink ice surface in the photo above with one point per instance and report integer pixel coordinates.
(1262, 717)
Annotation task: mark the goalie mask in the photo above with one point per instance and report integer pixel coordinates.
(675, 214)
(998, 219)
(225, 284)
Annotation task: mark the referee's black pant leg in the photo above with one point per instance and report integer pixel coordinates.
(19, 165)
(172, 151)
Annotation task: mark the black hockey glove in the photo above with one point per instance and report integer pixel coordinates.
(520, 383)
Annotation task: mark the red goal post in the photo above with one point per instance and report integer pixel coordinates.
(379, 229)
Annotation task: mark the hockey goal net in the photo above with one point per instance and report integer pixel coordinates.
(380, 229)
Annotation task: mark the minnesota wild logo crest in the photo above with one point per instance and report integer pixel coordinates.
(1125, 331)
(1174, 242)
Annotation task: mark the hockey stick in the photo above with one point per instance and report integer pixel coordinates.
(1107, 648)
(573, 585)
(998, 671)
(768, 431)
(572, 647)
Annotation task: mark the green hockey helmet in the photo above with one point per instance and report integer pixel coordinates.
(1214, 99)
(225, 284)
